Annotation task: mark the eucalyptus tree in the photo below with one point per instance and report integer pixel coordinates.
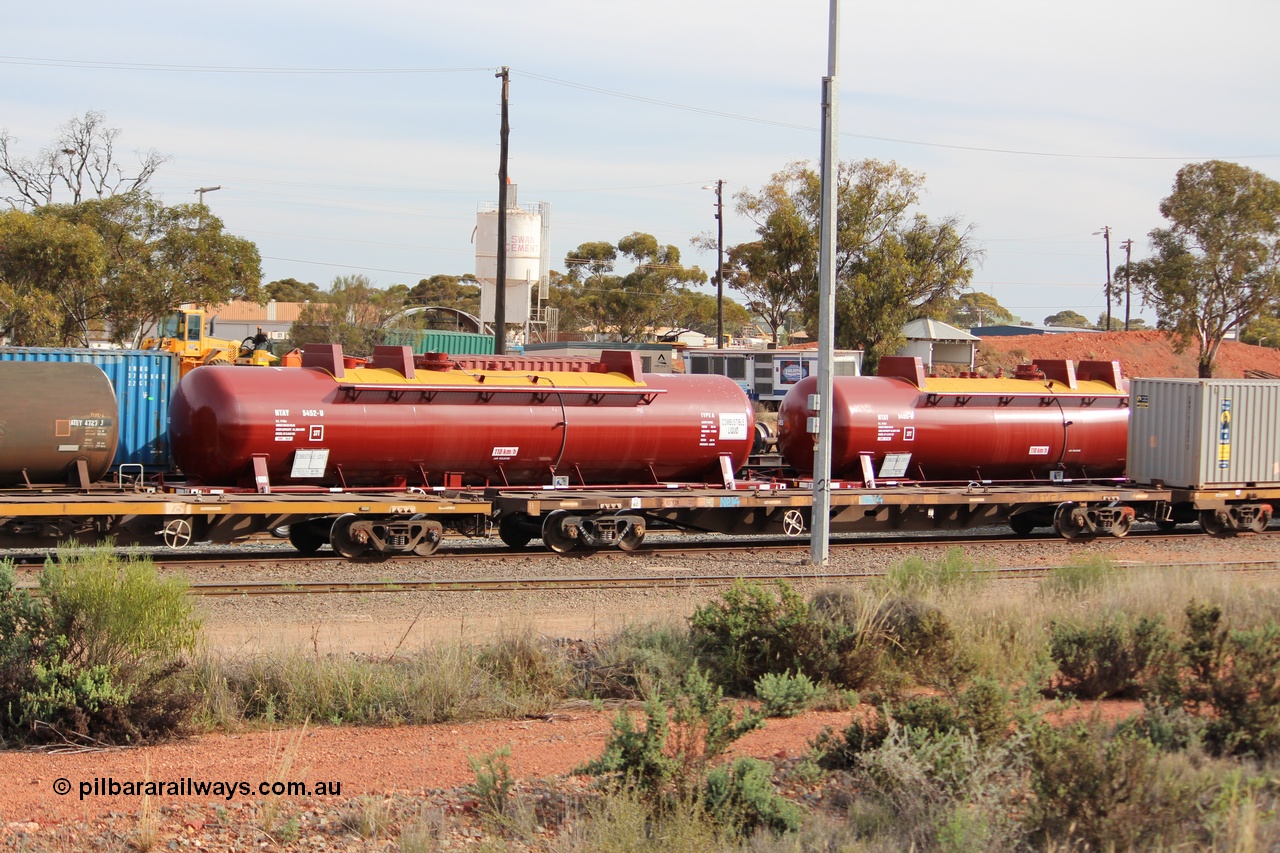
(892, 263)
(1216, 266)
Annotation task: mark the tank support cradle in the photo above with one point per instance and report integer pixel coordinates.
(564, 532)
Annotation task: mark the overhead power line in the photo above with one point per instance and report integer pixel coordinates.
(612, 93)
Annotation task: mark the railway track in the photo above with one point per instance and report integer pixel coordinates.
(672, 546)
(667, 545)
(265, 588)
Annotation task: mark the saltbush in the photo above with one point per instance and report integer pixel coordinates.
(668, 761)
(740, 797)
(1236, 675)
(1107, 790)
(785, 695)
(751, 631)
(99, 656)
(1110, 656)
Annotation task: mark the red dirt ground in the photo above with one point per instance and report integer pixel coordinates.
(1146, 354)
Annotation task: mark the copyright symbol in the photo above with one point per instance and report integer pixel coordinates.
(62, 787)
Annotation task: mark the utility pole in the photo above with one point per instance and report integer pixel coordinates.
(1128, 251)
(500, 295)
(719, 264)
(1106, 236)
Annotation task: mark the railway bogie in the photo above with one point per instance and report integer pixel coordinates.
(564, 531)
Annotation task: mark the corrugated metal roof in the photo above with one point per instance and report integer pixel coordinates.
(934, 330)
(240, 311)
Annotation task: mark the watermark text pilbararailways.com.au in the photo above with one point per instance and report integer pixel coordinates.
(227, 789)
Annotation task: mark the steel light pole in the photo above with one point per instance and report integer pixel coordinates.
(1106, 237)
(718, 186)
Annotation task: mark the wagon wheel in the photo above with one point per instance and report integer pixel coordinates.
(515, 530)
(1166, 524)
(631, 540)
(793, 522)
(1122, 525)
(342, 540)
(1022, 524)
(1260, 521)
(433, 535)
(177, 533)
(1214, 522)
(554, 534)
(1070, 522)
(308, 536)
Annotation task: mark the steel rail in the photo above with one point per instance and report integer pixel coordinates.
(649, 549)
(260, 588)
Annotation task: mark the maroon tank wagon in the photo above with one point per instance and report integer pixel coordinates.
(1053, 420)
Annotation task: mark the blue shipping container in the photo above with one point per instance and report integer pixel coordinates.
(144, 381)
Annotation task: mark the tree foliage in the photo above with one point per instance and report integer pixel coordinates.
(116, 265)
(629, 305)
(292, 290)
(1263, 331)
(82, 163)
(50, 271)
(1072, 319)
(1217, 265)
(891, 265)
(449, 291)
(976, 309)
(153, 257)
(354, 313)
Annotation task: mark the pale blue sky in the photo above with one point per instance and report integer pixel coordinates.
(359, 138)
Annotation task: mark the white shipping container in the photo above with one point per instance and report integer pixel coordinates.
(1205, 433)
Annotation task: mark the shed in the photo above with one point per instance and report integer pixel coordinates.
(935, 342)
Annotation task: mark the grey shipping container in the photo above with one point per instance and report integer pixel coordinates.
(144, 381)
(1205, 433)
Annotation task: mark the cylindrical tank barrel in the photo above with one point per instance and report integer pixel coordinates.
(961, 429)
(374, 427)
(54, 416)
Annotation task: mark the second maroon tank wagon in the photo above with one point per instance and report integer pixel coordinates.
(1054, 416)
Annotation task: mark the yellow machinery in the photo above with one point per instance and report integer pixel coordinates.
(182, 333)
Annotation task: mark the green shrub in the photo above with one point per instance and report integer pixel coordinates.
(1108, 657)
(667, 760)
(1236, 674)
(944, 789)
(1106, 790)
(985, 710)
(740, 797)
(751, 631)
(921, 639)
(785, 695)
(493, 785)
(100, 656)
